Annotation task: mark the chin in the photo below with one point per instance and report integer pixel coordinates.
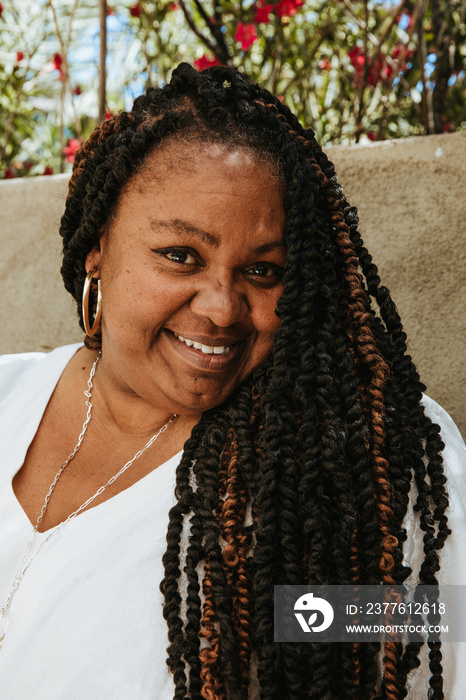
(199, 399)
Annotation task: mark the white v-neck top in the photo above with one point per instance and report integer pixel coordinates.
(86, 622)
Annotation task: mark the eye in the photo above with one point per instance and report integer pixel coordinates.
(178, 255)
(265, 272)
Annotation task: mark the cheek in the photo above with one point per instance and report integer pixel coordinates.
(266, 323)
(138, 295)
(263, 313)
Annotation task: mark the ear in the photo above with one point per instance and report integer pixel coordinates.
(93, 259)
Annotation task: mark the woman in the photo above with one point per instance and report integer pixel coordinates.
(248, 418)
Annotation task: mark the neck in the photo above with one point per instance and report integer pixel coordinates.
(121, 409)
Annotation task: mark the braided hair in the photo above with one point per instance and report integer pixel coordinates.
(303, 475)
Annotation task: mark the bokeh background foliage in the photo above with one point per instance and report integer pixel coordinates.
(353, 70)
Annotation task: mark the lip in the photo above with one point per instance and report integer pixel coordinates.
(200, 359)
(215, 341)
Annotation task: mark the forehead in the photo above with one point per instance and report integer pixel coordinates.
(227, 191)
(183, 159)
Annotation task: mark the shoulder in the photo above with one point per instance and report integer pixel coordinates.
(454, 453)
(13, 368)
(20, 368)
(438, 415)
(453, 553)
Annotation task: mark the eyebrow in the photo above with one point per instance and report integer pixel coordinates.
(179, 226)
(266, 247)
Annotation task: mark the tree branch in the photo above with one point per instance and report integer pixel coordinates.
(205, 40)
(214, 29)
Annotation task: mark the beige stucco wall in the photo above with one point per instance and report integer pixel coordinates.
(410, 196)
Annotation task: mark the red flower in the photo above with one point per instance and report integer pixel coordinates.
(77, 90)
(135, 10)
(8, 174)
(356, 57)
(174, 6)
(403, 55)
(48, 170)
(371, 135)
(377, 71)
(205, 62)
(71, 148)
(246, 34)
(1, 9)
(447, 127)
(19, 56)
(262, 12)
(287, 8)
(57, 61)
(57, 64)
(357, 60)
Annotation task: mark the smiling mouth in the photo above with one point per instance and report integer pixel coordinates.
(206, 349)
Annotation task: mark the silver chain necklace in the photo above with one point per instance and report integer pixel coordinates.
(28, 558)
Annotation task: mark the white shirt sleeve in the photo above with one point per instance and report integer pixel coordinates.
(452, 556)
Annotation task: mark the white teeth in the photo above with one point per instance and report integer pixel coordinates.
(184, 340)
(206, 349)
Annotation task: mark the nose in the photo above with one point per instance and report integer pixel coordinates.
(221, 302)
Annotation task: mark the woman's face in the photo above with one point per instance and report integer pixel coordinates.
(190, 270)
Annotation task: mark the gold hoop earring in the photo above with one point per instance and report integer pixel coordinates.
(91, 330)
